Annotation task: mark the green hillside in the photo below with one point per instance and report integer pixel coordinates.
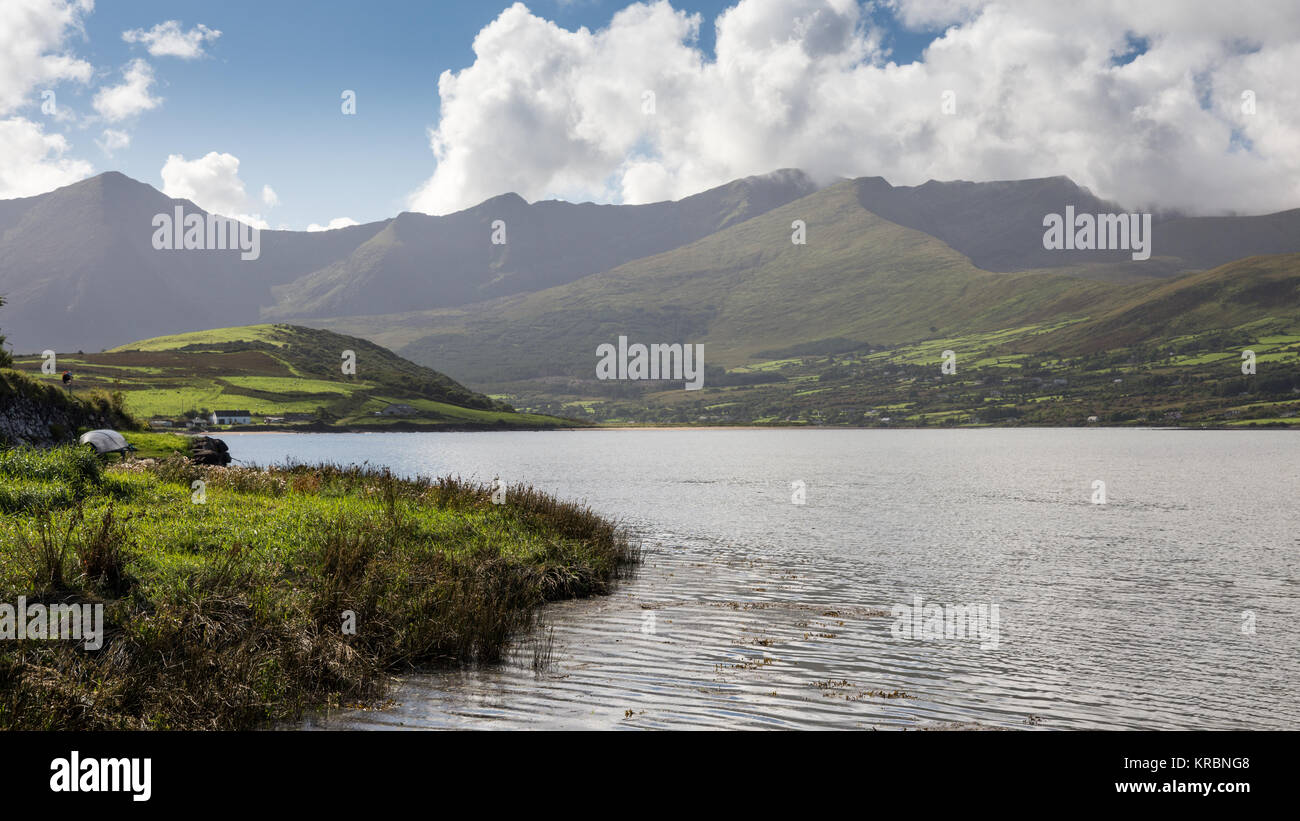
(279, 371)
(839, 330)
(739, 291)
(1261, 292)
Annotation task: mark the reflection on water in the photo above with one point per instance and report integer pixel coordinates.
(752, 611)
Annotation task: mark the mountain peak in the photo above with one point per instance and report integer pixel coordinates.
(112, 189)
(782, 175)
(785, 178)
(873, 184)
(110, 181)
(507, 200)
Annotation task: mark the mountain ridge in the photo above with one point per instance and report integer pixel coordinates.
(75, 262)
(80, 273)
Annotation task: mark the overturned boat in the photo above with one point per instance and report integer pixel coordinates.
(106, 441)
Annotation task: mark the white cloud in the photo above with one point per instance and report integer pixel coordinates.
(32, 162)
(337, 222)
(112, 140)
(269, 198)
(32, 50)
(1039, 91)
(34, 55)
(254, 220)
(212, 182)
(120, 102)
(168, 40)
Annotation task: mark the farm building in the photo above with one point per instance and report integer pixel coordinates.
(398, 409)
(231, 417)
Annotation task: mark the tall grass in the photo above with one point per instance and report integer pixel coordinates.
(33, 480)
(237, 613)
(75, 466)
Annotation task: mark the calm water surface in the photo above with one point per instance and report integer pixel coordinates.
(753, 611)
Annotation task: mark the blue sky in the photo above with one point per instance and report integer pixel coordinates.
(268, 91)
(1146, 105)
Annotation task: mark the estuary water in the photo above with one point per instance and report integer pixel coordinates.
(1167, 598)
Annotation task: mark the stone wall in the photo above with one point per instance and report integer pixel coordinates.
(37, 414)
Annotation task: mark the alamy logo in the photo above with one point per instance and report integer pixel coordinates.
(191, 232)
(656, 361)
(1103, 232)
(76, 622)
(75, 774)
(928, 622)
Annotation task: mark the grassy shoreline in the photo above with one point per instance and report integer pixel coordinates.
(232, 611)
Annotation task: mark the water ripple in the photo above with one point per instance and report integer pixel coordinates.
(1173, 606)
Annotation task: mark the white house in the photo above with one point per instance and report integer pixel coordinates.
(398, 409)
(231, 417)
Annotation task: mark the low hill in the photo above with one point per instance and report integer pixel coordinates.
(278, 371)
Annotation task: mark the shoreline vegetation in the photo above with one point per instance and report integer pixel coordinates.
(263, 594)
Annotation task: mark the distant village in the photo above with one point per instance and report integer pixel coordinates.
(230, 418)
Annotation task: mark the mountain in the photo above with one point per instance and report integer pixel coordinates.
(999, 225)
(742, 290)
(79, 270)
(863, 290)
(432, 262)
(1029, 347)
(885, 271)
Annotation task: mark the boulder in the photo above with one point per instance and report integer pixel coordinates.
(206, 450)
